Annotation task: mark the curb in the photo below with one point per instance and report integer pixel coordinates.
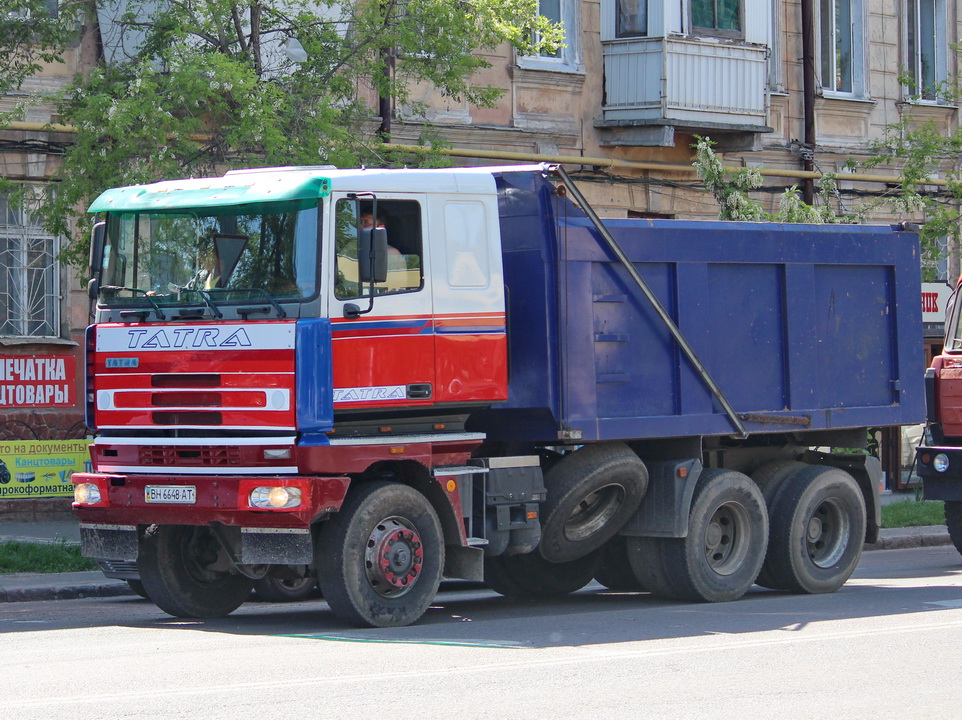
(64, 592)
(911, 538)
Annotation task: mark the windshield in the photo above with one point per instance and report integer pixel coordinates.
(235, 255)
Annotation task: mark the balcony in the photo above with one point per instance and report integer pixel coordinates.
(655, 85)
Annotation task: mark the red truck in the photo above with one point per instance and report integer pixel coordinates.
(490, 383)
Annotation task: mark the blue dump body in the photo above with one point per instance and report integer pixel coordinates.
(802, 327)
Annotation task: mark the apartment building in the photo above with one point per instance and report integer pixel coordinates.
(635, 82)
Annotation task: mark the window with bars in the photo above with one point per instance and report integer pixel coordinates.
(29, 278)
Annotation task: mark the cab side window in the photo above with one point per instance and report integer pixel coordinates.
(402, 221)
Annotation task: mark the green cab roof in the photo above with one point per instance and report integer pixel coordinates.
(248, 188)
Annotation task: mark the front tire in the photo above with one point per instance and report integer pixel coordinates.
(184, 571)
(953, 521)
(381, 557)
(727, 537)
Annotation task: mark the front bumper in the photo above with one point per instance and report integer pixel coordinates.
(944, 485)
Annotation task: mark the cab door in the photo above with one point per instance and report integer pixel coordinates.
(383, 351)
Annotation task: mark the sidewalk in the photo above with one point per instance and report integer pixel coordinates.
(68, 586)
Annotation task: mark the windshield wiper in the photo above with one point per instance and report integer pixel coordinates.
(269, 298)
(205, 296)
(147, 295)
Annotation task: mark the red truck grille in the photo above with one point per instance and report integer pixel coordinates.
(199, 455)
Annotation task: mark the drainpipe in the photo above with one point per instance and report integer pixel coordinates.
(808, 91)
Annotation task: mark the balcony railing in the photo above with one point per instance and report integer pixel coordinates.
(685, 82)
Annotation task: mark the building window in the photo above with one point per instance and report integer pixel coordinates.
(29, 280)
(631, 18)
(568, 57)
(841, 46)
(717, 17)
(925, 43)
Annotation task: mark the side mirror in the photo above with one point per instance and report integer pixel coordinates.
(97, 240)
(372, 255)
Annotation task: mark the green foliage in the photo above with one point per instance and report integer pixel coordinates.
(731, 189)
(31, 37)
(24, 557)
(208, 86)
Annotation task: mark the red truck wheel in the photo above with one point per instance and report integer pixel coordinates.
(381, 557)
(592, 493)
(177, 568)
(953, 521)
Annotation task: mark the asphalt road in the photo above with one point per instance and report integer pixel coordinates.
(885, 646)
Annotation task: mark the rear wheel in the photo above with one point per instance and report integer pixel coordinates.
(646, 555)
(186, 573)
(530, 575)
(953, 521)
(771, 478)
(591, 494)
(818, 528)
(614, 569)
(727, 535)
(380, 558)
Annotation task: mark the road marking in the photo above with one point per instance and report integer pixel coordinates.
(946, 603)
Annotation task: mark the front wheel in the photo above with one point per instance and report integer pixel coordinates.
(185, 571)
(381, 557)
(953, 521)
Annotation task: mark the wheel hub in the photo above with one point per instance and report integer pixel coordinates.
(829, 532)
(594, 512)
(727, 538)
(394, 557)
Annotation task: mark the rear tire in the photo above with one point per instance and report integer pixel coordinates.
(380, 558)
(182, 570)
(771, 478)
(727, 536)
(591, 494)
(614, 570)
(818, 528)
(953, 521)
(530, 575)
(646, 555)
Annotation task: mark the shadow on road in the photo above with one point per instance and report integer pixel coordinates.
(927, 580)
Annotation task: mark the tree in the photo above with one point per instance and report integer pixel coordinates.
(197, 87)
(31, 35)
(731, 191)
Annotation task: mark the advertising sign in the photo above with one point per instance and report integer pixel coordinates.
(935, 296)
(41, 468)
(37, 380)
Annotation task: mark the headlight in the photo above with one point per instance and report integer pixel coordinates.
(940, 462)
(86, 494)
(275, 498)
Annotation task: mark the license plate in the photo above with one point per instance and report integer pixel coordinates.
(174, 494)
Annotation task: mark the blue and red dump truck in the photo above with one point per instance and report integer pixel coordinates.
(487, 383)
